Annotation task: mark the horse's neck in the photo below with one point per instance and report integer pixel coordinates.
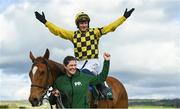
(57, 69)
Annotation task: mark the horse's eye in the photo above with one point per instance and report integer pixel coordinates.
(42, 73)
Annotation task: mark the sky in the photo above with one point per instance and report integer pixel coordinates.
(145, 49)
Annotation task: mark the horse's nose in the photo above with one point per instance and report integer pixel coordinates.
(34, 102)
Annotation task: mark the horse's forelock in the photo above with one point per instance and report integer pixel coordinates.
(36, 64)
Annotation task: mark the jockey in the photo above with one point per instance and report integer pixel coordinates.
(85, 40)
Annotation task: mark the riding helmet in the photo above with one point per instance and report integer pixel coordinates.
(81, 17)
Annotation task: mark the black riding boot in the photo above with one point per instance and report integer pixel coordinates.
(104, 91)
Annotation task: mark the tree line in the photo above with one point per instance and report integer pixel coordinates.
(154, 102)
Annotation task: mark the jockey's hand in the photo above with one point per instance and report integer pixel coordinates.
(128, 13)
(107, 56)
(55, 92)
(40, 17)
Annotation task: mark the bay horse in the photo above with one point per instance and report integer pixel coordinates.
(45, 71)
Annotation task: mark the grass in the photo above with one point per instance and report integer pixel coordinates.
(26, 105)
(22, 104)
(150, 107)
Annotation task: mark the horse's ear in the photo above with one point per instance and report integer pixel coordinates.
(31, 56)
(46, 55)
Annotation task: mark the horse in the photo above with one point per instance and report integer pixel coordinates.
(45, 71)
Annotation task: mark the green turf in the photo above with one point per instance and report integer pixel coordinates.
(150, 107)
(26, 105)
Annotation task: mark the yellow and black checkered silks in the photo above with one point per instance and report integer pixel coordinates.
(86, 45)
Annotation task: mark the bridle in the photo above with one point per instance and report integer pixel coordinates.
(46, 86)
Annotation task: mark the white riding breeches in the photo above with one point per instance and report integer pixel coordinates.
(92, 65)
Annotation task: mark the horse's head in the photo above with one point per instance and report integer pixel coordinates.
(41, 78)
